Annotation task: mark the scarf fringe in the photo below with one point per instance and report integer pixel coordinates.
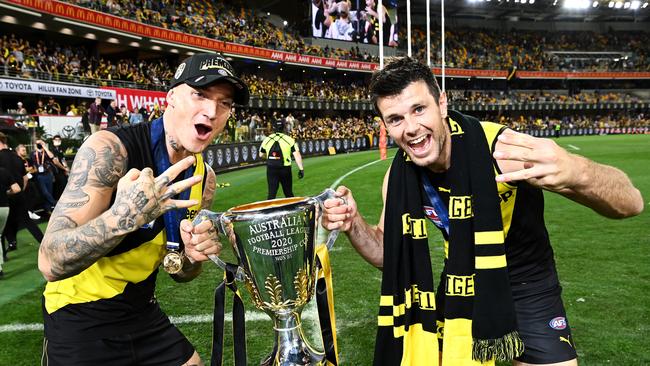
(506, 348)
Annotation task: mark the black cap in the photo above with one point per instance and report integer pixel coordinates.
(204, 69)
(278, 125)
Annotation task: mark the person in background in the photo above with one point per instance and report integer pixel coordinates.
(278, 149)
(62, 170)
(136, 117)
(53, 108)
(33, 194)
(21, 110)
(8, 186)
(41, 109)
(112, 117)
(18, 216)
(43, 159)
(95, 114)
(83, 112)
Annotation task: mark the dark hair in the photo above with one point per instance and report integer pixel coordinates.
(397, 74)
(3, 138)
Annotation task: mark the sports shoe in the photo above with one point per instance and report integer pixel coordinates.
(33, 216)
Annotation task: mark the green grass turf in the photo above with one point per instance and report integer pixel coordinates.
(603, 266)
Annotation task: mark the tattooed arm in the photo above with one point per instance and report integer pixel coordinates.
(83, 228)
(199, 240)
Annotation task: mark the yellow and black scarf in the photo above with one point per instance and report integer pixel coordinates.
(473, 311)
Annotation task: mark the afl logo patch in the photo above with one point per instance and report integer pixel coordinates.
(558, 323)
(179, 71)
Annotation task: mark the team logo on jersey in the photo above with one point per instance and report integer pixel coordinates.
(558, 323)
(430, 212)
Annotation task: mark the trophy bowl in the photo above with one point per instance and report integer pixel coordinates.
(274, 242)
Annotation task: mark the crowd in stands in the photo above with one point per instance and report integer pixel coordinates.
(225, 22)
(485, 97)
(470, 48)
(505, 49)
(535, 122)
(55, 61)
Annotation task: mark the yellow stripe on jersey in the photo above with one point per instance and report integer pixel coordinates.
(109, 276)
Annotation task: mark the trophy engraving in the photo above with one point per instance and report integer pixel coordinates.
(274, 242)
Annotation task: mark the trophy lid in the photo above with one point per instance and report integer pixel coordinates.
(268, 204)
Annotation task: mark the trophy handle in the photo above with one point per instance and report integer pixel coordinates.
(327, 194)
(215, 217)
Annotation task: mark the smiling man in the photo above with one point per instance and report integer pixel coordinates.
(127, 209)
(481, 185)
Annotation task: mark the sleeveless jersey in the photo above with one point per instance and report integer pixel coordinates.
(528, 249)
(115, 295)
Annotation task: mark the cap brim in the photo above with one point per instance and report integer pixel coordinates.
(242, 95)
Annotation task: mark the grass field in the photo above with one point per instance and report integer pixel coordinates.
(604, 268)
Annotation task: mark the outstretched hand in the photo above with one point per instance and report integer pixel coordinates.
(141, 198)
(538, 161)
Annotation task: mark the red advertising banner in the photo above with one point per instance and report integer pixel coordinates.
(138, 97)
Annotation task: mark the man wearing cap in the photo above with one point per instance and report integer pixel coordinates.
(128, 208)
(278, 148)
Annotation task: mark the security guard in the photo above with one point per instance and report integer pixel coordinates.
(278, 148)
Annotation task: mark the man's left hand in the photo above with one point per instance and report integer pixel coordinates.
(200, 240)
(538, 161)
(301, 173)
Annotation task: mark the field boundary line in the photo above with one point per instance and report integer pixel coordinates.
(340, 179)
(573, 147)
(308, 314)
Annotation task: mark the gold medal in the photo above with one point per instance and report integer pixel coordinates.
(173, 262)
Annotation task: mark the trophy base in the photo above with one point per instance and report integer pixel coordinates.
(290, 347)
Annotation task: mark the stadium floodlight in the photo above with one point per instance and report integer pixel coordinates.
(39, 25)
(134, 44)
(645, 5)
(203, 50)
(595, 4)
(618, 5)
(626, 5)
(531, 2)
(611, 4)
(66, 31)
(576, 4)
(635, 5)
(9, 19)
(90, 36)
(79, 24)
(21, 10)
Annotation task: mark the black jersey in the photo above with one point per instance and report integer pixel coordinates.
(115, 295)
(528, 248)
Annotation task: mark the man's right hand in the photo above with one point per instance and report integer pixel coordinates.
(141, 198)
(338, 215)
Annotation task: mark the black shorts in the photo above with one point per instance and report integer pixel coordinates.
(159, 344)
(542, 323)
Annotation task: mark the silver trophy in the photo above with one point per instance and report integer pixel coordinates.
(274, 242)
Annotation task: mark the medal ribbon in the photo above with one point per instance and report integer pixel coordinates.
(161, 158)
(436, 202)
(325, 304)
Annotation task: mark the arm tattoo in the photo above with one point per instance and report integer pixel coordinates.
(111, 165)
(76, 248)
(74, 196)
(208, 191)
